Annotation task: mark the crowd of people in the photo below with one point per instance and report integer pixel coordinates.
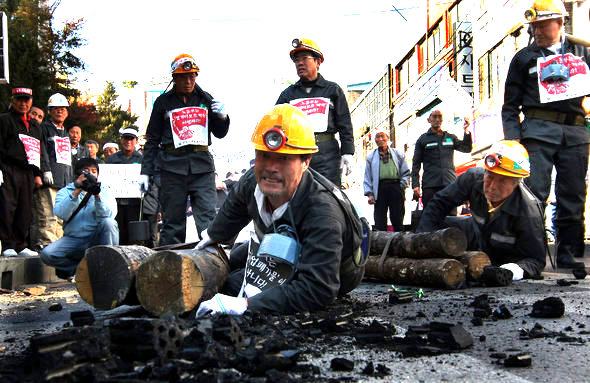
(309, 244)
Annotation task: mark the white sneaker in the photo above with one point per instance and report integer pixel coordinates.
(10, 253)
(26, 252)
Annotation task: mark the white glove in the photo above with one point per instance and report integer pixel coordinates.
(223, 304)
(144, 182)
(47, 178)
(218, 108)
(205, 242)
(1, 178)
(346, 163)
(517, 271)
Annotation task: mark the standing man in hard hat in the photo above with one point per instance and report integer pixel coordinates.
(178, 139)
(553, 129)
(325, 104)
(304, 252)
(20, 152)
(56, 166)
(434, 152)
(386, 178)
(506, 219)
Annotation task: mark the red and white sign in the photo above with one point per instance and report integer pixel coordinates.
(32, 148)
(63, 153)
(316, 109)
(189, 126)
(577, 86)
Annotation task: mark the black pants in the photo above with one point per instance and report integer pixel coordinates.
(16, 206)
(571, 165)
(174, 191)
(327, 161)
(390, 197)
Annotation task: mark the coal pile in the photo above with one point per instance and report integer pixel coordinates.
(433, 339)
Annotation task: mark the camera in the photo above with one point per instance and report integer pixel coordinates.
(90, 184)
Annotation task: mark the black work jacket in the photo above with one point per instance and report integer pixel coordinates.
(325, 236)
(12, 150)
(339, 115)
(436, 153)
(121, 158)
(522, 92)
(159, 134)
(515, 234)
(62, 174)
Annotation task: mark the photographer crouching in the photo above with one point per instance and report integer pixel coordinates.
(88, 213)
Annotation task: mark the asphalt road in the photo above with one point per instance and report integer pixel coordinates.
(552, 360)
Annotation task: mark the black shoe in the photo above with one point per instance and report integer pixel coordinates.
(496, 276)
(64, 275)
(568, 262)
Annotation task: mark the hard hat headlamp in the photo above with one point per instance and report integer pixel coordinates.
(189, 65)
(493, 160)
(555, 72)
(296, 43)
(530, 14)
(274, 138)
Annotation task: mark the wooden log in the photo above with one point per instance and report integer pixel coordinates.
(474, 262)
(105, 278)
(432, 272)
(177, 280)
(449, 242)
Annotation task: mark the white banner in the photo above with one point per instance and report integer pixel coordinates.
(316, 109)
(32, 148)
(577, 86)
(123, 180)
(189, 126)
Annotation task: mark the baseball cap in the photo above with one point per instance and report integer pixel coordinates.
(129, 131)
(22, 92)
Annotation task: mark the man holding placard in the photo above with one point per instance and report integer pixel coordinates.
(178, 139)
(325, 105)
(547, 81)
(20, 152)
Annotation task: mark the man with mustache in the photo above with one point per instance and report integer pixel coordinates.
(554, 133)
(304, 252)
(506, 219)
(178, 139)
(325, 103)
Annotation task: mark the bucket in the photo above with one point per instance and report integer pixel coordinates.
(139, 230)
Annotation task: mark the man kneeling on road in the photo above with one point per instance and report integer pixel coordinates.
(506, 218)
(88, 213)
(306, 249)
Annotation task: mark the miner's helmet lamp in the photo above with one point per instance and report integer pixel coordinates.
(555, 72)
(184, 63)
(545, 10)
(508, 158)
(285, 129)
(306, 45)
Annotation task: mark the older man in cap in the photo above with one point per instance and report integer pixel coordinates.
(325, 104)
(108, 149)
(127, 208)
(386, 178)
(20, 162)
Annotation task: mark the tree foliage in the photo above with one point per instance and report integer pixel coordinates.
(40, 56)
(111, 117)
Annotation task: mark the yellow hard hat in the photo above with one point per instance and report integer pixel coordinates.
(545, 10)
(509, 158)
(285, 129)
(184, 63)
(306, 45)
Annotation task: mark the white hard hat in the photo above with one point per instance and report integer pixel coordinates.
(58, 99)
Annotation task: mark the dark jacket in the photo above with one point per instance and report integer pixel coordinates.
(79, 152)
(515, 234)
(121, 158)
(62, 173)
(339, 115)
(522, 92)
(159, 136)
(325, 236)
(12, 150)
(436, 153)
